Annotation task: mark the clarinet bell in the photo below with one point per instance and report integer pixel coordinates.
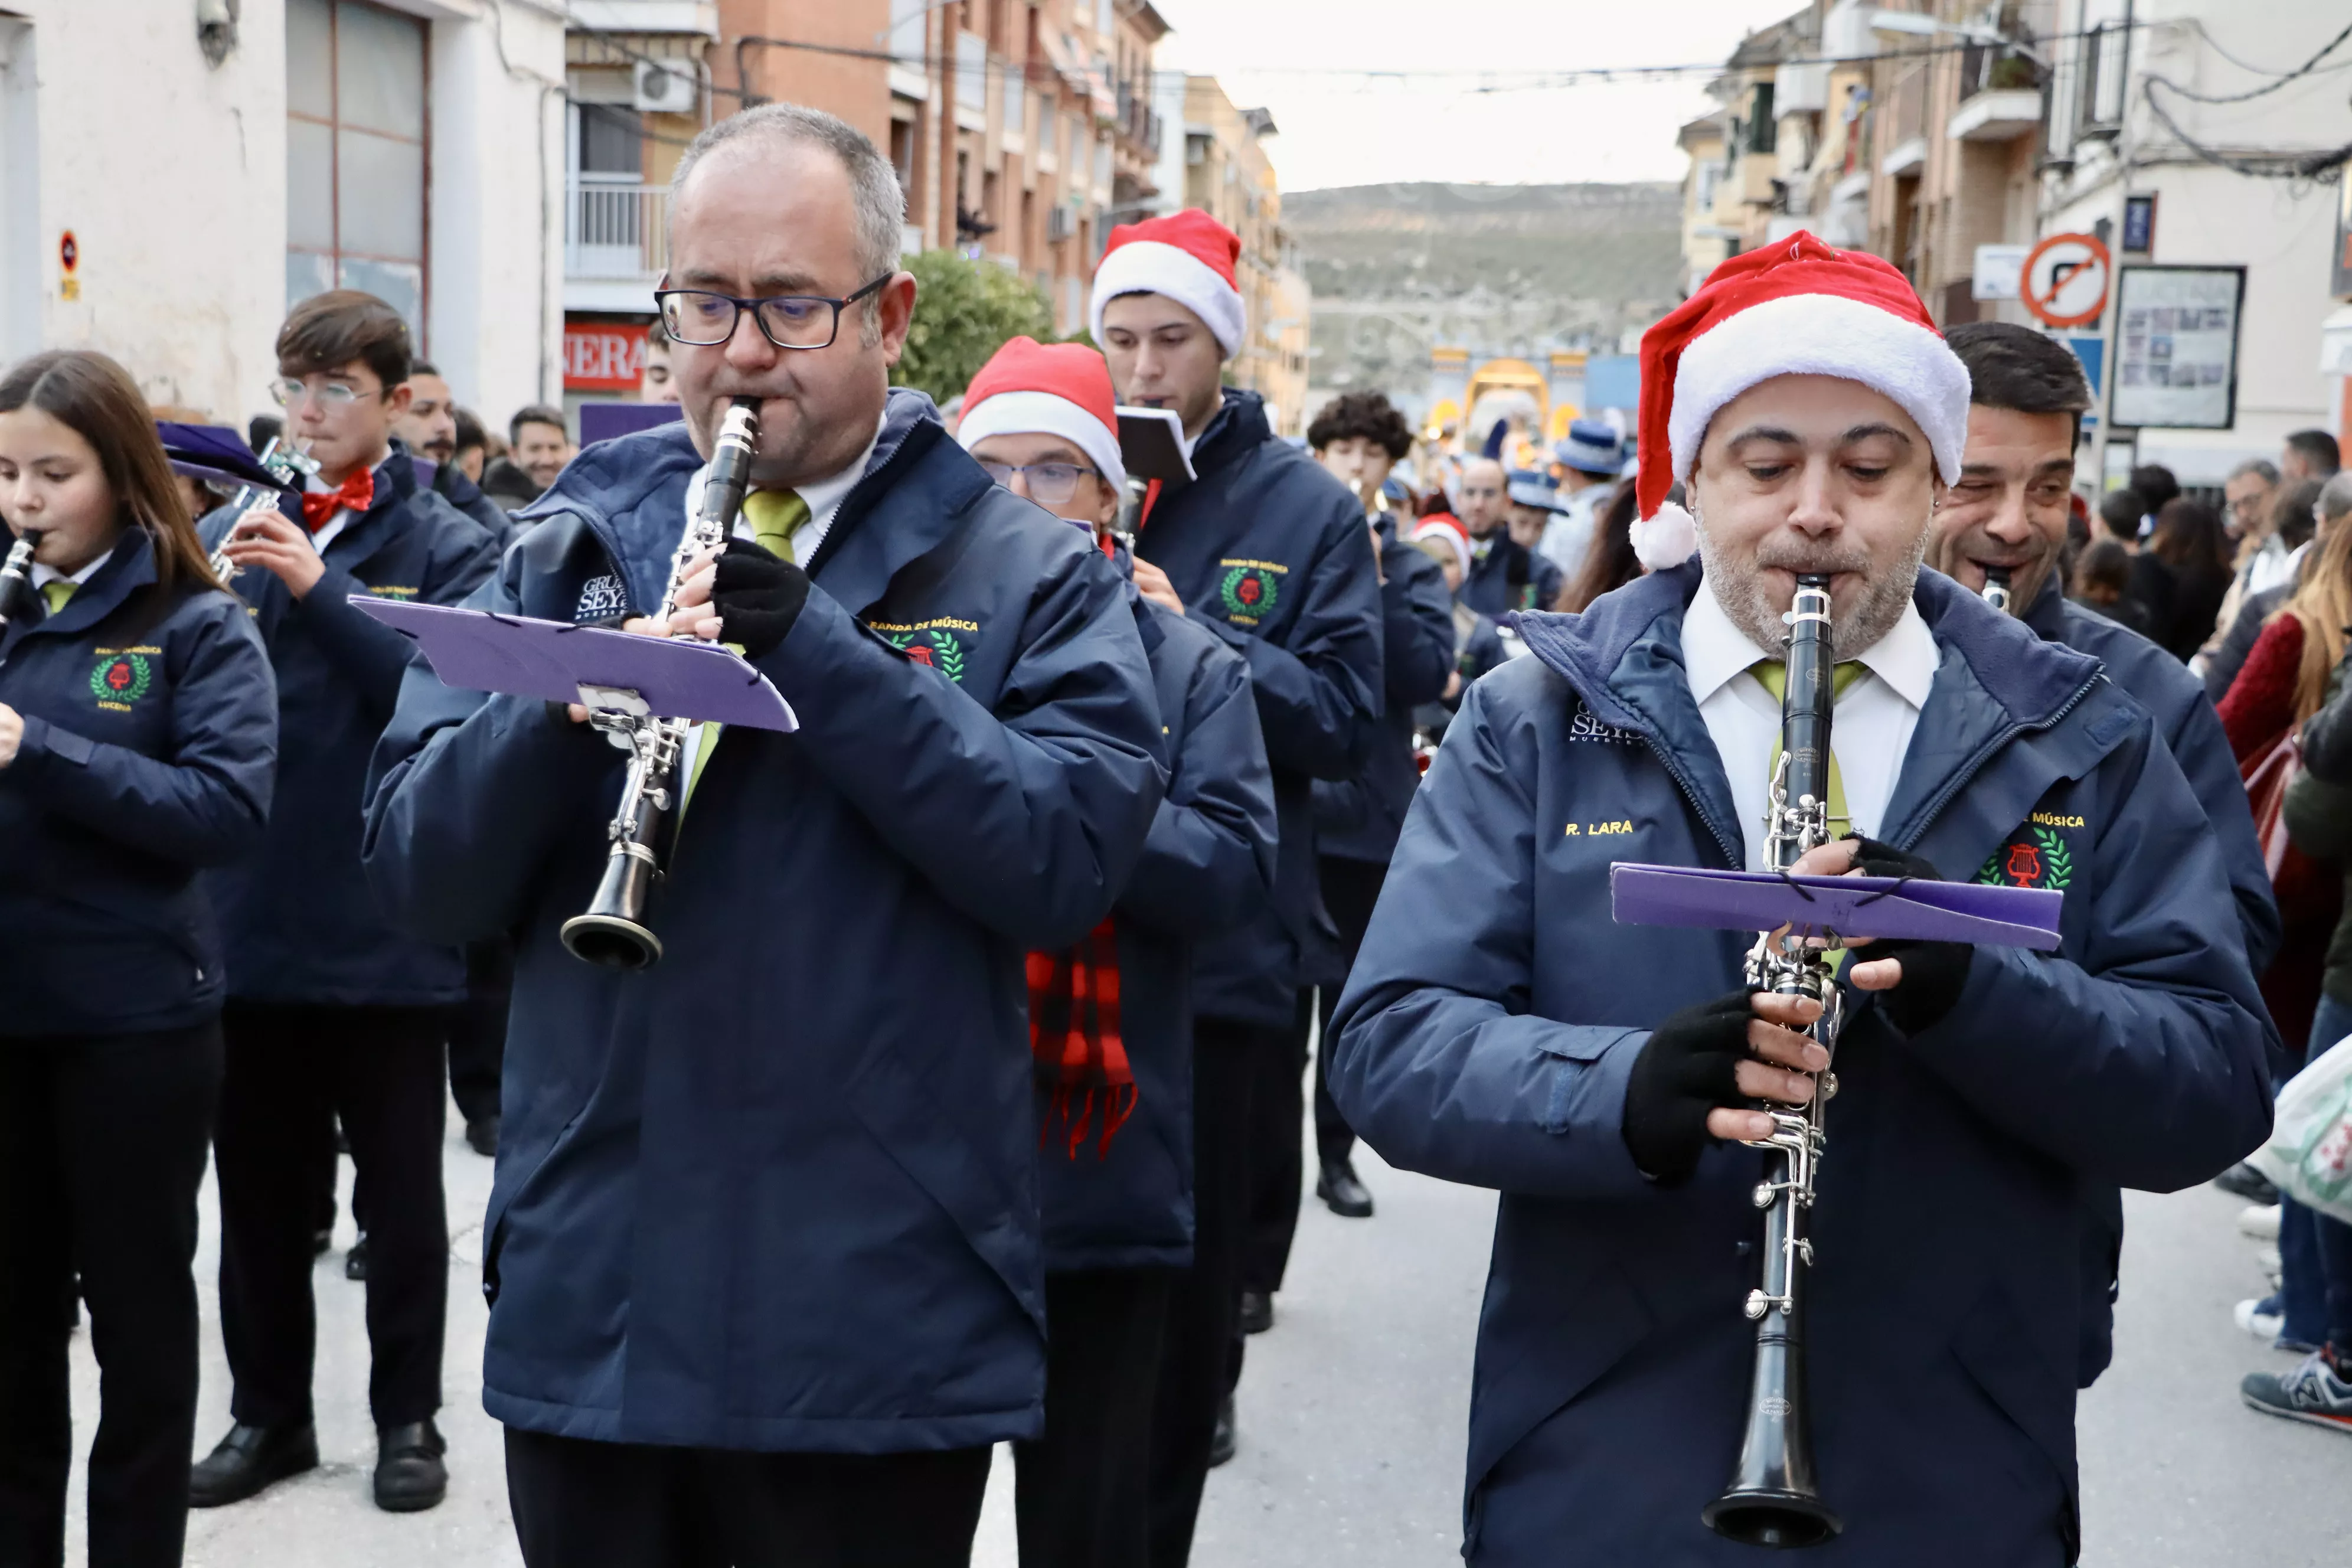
(611, 932)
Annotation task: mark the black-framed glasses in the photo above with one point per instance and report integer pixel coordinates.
(704, 320)
(1051, 483)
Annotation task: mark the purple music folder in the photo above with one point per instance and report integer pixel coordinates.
(552, 660)
(1849, 906)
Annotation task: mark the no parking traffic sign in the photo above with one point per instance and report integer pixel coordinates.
(2065, 280)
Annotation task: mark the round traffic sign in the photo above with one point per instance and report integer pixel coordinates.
(2065, 280)
(68, 251)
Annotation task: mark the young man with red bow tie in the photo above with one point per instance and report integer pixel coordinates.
(330, 1012)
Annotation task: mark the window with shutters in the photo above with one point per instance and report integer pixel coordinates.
(355, 154)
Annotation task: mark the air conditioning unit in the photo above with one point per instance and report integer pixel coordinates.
(666, 87)
(1060, 221)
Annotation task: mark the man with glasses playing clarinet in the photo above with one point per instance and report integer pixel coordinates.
(1606, 1076)
(763, 1251)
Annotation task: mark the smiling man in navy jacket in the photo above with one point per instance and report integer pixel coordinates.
(1601, 1074)
(1271, 554)
(763, 1252)
(331, 1013)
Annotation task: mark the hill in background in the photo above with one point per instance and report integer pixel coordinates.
(1398, 270)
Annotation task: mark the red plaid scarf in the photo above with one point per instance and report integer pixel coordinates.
(1074, 1037)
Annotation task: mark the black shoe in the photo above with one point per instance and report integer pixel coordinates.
(356, 1260)
(482, 1136)
(249, 1458)
(1258, 1312)
(1341, 1193)
(1221, 1442)
(409, 1473)
(2248, 1184)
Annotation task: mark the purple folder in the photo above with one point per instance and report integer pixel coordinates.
(1851, 906)
(554, 660)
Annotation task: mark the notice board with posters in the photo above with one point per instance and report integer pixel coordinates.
(2177, 361)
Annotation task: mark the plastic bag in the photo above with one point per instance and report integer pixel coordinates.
(2309, 1154)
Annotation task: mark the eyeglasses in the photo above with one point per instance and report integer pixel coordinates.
(1051, 483)
(788, 320)
(288, 392)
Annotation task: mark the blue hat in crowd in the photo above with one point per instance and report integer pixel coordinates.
(1529, 487)
(1592, 447)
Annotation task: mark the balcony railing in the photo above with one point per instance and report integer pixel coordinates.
(615, 230)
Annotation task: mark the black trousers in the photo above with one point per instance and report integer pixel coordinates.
(102, 1144)
(477, 1030)
(291, 1070)
(1082, 1492)
(579, 1504)
(1206, 1300)
(1350, 888)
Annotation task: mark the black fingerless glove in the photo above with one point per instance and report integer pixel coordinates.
(1689, 1066)
(1934, 973)
(758, 597)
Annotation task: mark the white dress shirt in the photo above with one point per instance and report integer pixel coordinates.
(1869, 731)
(44, 573)
(314, 485)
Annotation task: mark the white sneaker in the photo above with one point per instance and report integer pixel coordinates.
(2261, 1221)
(2260, 1317)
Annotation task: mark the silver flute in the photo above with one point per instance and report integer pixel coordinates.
(284, 461)
(614, 930)
(1773, 1499)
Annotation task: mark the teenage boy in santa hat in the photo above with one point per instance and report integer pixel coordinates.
(1602, 1075)
(1270, 553)
(1110, 1019)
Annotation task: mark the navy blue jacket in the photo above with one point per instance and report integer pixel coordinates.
(1271, 554)
(448, 481)
(778, 1192)
(2187, 723)
(1613, 1359)
(1490, 590)
(1208, 863)
(302, 925)
(151, 731)
(1359, 818)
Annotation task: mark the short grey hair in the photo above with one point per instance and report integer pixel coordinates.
(879, 203)
(2262, 468)
(2335, 497)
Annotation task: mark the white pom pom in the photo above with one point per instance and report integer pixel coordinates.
(1666, 540)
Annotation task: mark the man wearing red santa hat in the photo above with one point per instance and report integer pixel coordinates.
(1270, 554)
(1603, 1075)
(1110, 1019)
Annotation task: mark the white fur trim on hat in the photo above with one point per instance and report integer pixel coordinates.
(1665, 540)
(1151, 266)
(1043, 414)
(1822, 334)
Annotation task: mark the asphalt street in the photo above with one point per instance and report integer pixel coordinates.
(1352, 1410)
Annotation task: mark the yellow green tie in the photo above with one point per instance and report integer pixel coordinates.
(56, 591)
(1773, 676)
(774, 516)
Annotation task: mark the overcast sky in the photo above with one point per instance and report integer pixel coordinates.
(1350, 131)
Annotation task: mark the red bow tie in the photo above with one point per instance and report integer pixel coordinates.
(355, 495)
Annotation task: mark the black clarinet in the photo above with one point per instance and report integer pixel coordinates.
(1773, 1499)
(612, 931)
(17, 579)
(1996, 588)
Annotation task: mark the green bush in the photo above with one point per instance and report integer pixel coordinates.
(964, 312)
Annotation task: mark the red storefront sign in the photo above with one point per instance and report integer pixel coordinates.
(604, 356)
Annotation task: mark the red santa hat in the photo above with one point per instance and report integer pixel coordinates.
(1189, 257)
(1795, 307)
(1444, 530)
(1029, 388)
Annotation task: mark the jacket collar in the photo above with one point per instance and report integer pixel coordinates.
(1996, 678)
(2047, 614)
(395, 482)
(1236, 429)
(131, 568)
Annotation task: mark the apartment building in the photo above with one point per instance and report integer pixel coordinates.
(1022, 131)
(169, 185)
(1926, 131)
(1221, 166)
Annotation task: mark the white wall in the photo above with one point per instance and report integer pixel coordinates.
(172, 175)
